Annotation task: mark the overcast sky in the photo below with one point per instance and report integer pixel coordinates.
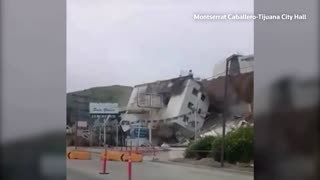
(118, 42)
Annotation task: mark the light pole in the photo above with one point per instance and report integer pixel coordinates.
(117, 133)
(225, 109)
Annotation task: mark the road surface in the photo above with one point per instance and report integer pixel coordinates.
(89, 170)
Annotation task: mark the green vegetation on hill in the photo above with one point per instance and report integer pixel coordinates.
(113, 94)
(116, 94)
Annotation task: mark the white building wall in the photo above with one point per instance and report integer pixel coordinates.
(178, 105)
(245, 66)
(132, 103)
(189, 97)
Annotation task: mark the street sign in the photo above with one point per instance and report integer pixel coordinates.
(125, 125)
(140, 133)
(103, 108)
(82, 124)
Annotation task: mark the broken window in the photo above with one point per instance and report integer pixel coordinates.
(190, 105)
(195, 91)
(203, 97)
(166, 100)
(199, 111)
(192, 124)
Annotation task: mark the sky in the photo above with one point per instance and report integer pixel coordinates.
(125, 42)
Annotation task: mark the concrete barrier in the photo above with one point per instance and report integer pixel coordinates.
(176, 155)
(78, 154)
(121, 156)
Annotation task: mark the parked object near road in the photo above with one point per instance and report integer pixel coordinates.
(165, 147)
(77, 154)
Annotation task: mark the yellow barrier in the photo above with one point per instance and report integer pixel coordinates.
(121, 156)
(77, 154)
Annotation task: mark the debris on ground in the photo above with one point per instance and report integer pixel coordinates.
(165, 147)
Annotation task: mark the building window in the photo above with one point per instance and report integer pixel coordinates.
(166, 100)
(234, 68)
(199, 111)
(161, 121)
(185, 119)
(190, 105)
(149, 121)
(195, 91)
(192, 124)
(203, 97)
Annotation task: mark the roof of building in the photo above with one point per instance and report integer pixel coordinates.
(167, 88)
(190, 76)
(247, 58)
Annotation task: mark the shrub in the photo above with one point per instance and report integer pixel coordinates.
(216, 149)
(190, 151)
(200, 149)
(238, 146)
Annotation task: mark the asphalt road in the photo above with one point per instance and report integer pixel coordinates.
(89, 170)
(147, 170)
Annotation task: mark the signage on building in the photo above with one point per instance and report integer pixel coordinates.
(141, 132)
(103, 108)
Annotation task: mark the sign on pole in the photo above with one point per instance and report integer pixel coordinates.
(125, 125)
(103, 108)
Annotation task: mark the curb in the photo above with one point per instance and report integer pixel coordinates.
(245, 172)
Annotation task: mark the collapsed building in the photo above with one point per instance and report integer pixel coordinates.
(239, 103)
(185, 107)
(239, 109)
(174, 108)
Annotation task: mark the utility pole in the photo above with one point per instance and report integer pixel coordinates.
(117, 133)
(225, 111)
(150, 133)
(76, 133)
(195, 119)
